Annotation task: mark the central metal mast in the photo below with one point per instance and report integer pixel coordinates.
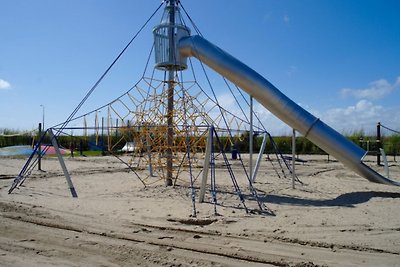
(166, 36)
(171, 85)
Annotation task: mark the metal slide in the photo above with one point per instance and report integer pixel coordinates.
(281, 106)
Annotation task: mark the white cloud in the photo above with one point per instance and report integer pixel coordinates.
(362, 115)
(271, 123)
(227, 101)
(377, 89)
(4, 84)
(356, 117)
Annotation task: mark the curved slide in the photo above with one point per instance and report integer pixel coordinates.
(281, 106)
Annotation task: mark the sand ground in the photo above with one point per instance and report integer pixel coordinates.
(335, 218)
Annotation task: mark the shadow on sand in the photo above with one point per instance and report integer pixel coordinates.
(345, 200)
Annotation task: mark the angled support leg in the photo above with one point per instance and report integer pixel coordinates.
(206, 165)
(259, 158)
(62, 163)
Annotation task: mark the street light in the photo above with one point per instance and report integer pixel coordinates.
(42, 116)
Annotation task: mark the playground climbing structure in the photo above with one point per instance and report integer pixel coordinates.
(169, 116)
(178, 125)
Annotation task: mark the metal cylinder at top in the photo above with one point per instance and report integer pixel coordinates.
(166, 36)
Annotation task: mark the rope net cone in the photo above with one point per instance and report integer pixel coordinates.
(143, 123)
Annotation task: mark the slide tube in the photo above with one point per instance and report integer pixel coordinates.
(350, 154)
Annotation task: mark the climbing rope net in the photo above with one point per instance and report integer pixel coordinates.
(140, 117)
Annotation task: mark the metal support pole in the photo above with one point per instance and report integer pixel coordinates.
(170, 100)
(148, 148)
(251, 136)
(259, 158)
(378, 143)
(385, 162)
(206, 165)
(170, 130)
(293, 158)
(170, 136)
(62, 163)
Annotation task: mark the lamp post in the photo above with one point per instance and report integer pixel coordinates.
(42, 116)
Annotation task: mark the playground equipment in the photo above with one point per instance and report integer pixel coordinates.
(281, 106)
(177, 127)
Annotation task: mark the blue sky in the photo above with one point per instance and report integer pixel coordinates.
(338, 59)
